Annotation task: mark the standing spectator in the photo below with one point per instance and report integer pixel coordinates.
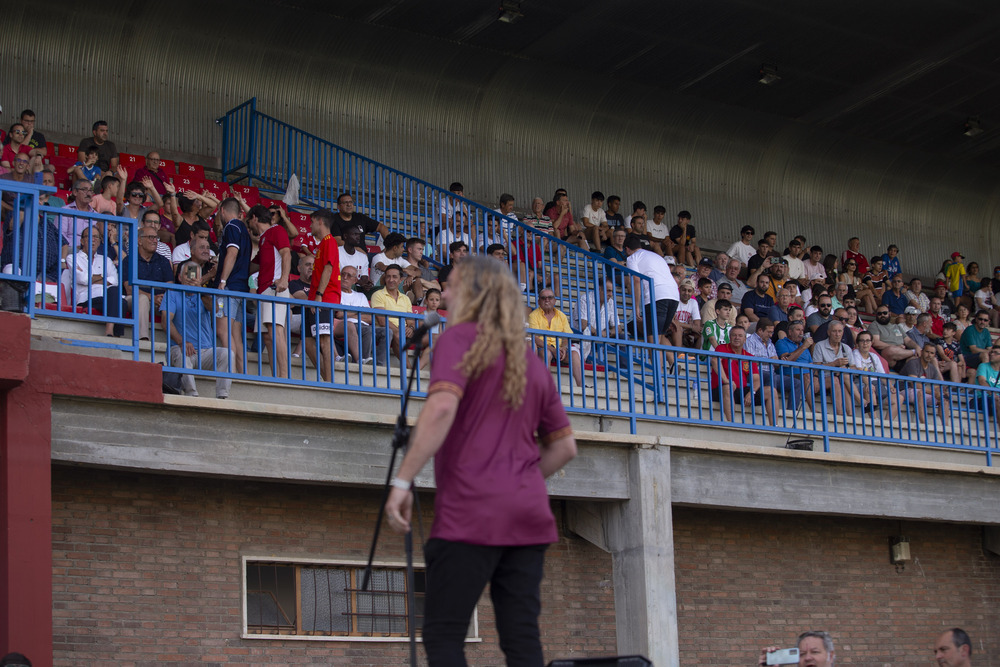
(976, 340)
(716, 331)
(110, 200)
(614, 217)
(737, 382)
(796, 270)
(391, 299)
(687, 317)
(874, 391)
(813, 267)
(742, 250)
(274, 259)
(654, 267)
(594, 222)
(71, 226)
(854, 252)
(347, 218)
(724, 293)
(927, 395)
(153, 170)
(149, 266)
(953, 649)
(955, 275)
(187, 321)
(324, 288)
(890, 262)
(234, 276)
(107, 159)
(685, 240)
(549, 318)
(895, 300)
(987, 300)
(757, 304)
(888, 338)
(832, 352)
(919, 336)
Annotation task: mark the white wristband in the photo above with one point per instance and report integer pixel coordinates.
(401, 483)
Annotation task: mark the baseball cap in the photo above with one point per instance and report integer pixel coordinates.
(705, 261)
(725, 286)
(957, 254)
(941, 283)
(910, 310)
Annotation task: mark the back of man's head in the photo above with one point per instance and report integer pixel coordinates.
(961, 638)
(633, 242)
(229, 208)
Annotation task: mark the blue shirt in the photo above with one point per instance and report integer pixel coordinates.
(157, 269)
(611, 253)
(235, 235)
(980, 339)
(786, 346)
(895, 304)
(776, 314)
(190, 317)
(891, 265)
(48, 251)
(761, 305)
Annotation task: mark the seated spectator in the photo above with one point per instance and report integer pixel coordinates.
(356, 328)
(594, 222)
(153, 170)
(638, 209)
(393, 254)
(854, 252)
(716, 331)
(995, 281)
(719, 267)
(684, 240)
(916, 297)
(50, 246)
(24, 172)
(947, 303)
(796, 270)
(735, 382)
(704, 270)
(391, 299)
(149, 266)
(616, 250)
(563, 223)
(724, 293)
(597, 315)
(953, 349)
(182, 253)
(895, 300)
(506, 209)
(138, 197)
(796, 346)
(152, 218)
(34, 138)
(976, 340)
(428, 276)
(841, 292)
(779, 311)
(549, 318)
(638, 230)
(760, 262)
(274, 262)
(615, 219)
(839, 315)
(537, 217)
(96, 278)
(778, 273)
(704, 294)
(743, 321)
(107, 159)
(988, 375)
(325, 288)
(738, 287)
(353, 253)
(919, 337)
(188, 321)
(795, 314)
(854, 280)
(785, 385)
(813, 267)
(889, 338)
(659, 232)
(457, 251)
(757, 304)
(834, 353)
(687, 318)
(854, 323)
(85, 168)
(890, 262)
(454, 214)
(972, 278)
(348, 218)
(299, 289)
(202, 255)
(18, 145)
(497, 252)
(875, 392)
(927, 395)
(909, 318)
(987, 300)
(433, 299)
(742, 250)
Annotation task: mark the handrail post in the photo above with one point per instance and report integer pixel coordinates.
(252, 142)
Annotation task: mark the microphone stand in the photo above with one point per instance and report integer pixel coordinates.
(400, 439)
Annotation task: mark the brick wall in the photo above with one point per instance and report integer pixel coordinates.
(745, 581)
(146, 570)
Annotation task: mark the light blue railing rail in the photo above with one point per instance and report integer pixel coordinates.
(267, 151)
(620, 378)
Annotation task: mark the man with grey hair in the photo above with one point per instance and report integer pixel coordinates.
(815, 650)
(833, 352)
(953, 649)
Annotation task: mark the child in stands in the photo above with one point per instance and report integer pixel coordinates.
(952, 348)
(86, 168)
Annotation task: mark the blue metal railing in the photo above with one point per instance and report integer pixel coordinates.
(260, 148)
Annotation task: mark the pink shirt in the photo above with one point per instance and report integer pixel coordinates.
(489, 488)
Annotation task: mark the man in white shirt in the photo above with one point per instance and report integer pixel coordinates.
(352, 253)
(796, 271)
(654, 267)
(687, 317)
(395, 243)
(595, 222)
(986, 300)
(506, 209)
(659, 232)
(743, 249)
(357, 326)
(597, 315)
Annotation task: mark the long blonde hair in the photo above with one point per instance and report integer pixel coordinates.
(489, 297)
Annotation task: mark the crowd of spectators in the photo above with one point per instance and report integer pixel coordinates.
(800, 305)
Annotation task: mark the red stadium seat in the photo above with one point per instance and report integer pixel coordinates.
(302, 221)
(168, 167)
(419, 310)
(50, 148)
(273, 202)
(65, 150)
(191, 170)
(250, 193)
(183, 183)
(218, 189)
(131, 162)
(62, 193)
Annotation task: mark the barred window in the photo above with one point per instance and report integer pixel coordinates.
(326, 600)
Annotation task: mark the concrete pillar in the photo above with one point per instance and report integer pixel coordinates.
(640, 536)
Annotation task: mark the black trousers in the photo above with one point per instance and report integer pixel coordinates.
(456, 575)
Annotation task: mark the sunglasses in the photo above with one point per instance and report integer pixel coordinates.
(882, 312)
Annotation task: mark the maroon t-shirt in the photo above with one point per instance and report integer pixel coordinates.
(489, 488)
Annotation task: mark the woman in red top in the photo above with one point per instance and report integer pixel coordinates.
(489, 402)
